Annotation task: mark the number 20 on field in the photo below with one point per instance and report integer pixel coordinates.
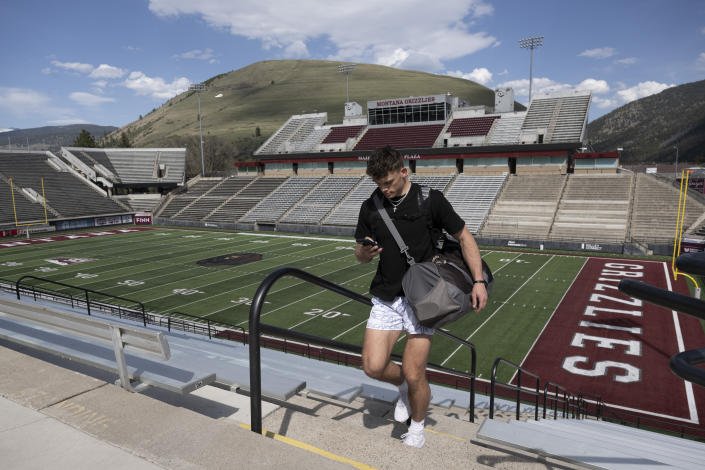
(331, 314)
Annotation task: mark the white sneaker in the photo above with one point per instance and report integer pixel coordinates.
(414, 439)
(402, 410)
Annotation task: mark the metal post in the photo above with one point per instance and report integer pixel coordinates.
(347, 69)
(531, 44)
(198, 88)
(200, 133)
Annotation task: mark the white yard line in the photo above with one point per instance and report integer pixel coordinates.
(549, 318)
(497, 310)
(304, 298)
(681, 347)
(271, 292)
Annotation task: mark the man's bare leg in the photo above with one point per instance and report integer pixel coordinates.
(376, 350)
(414, 371)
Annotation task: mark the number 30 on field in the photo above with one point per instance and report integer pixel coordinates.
(331, 314)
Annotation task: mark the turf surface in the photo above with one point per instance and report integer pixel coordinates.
(160, 268)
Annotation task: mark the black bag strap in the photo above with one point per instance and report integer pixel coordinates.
(403, 247)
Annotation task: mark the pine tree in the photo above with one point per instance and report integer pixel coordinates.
(124, 141)
(85, 140)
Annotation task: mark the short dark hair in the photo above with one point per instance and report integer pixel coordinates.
(382, 161)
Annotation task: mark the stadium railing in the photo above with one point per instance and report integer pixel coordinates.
(571, 403)
(194, 324)
(86, 293)
(517, 387)
(256, 328)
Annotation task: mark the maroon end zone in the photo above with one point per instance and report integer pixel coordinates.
(603, 342)
(71, 236)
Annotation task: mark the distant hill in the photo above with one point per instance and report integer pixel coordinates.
(49, 137)
(647, 129)
(257, 99)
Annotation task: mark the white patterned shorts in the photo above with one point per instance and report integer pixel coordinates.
(395, 315)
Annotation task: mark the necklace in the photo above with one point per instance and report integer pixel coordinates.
(397, 202)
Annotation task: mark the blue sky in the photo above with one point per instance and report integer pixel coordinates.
(107, 62)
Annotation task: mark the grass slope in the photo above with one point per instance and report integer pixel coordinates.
(265, 94)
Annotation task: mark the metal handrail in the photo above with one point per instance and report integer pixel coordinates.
(196, 319)
(516, 387)
(671, 300)
(567, 397)
(86, 292)
(256, 328)
(599, 404)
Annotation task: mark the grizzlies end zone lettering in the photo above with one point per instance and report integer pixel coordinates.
(610, 319)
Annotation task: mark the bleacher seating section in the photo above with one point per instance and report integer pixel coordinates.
(272, 207)
(141, 202)
(594, 208)
(67, 194)
(469, 127)
(508, 129)
(525, 208)
(655, 208)
(400, 137)
(340, 134)
(473, 196)
(183, 199)
(293, 132)
(348, 210)
(436, 182)
(563, 117)
(319, 202)
(133, 166)
(26, 210)
(239, 204)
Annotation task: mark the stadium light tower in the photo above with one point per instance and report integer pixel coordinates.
(347, 70)
(198, 88)
(531, 44)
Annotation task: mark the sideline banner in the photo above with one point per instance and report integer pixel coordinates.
(143, 219)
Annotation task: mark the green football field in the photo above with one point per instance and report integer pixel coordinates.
(160, 268)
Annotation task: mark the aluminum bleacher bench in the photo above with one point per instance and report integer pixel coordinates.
(135, 353)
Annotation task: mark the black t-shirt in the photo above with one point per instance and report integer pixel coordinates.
(413, 227)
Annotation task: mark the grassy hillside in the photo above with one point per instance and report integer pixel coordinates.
(264, 94)
(649, 128)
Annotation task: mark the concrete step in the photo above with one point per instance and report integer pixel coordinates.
(364, 431)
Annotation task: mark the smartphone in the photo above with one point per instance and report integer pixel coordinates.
(366, 242)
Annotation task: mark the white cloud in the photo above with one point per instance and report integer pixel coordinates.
(73, 66)
(596, 86)
(6, 130)
(503, 72)
(627, 61)
(700, 61)
(100, 83)
(156, 87)
(481, 75)
(295, 50)
(604, 103)
(599, 53)
(641, 90)
(88, 99)
(21, 100)
(385, 33)
(195, 54)
(107, 71)
(702, 31)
